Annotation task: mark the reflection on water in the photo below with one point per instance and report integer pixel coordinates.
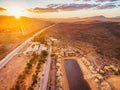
(74, 75)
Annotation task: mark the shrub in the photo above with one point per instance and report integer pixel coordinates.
(17, 86)
(30, 88)
(118, 53)
(12, 88)
(34, 54)
(39, 39)
(21, 77)
(37, 71)
(29, 65)
(38, 66)
(52, 55)
(44, 53)
(117, 72)
(34, 78)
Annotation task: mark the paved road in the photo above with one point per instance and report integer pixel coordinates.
(47, 71)
(5, 60)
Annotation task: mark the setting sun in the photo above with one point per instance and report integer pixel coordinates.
(15, 12)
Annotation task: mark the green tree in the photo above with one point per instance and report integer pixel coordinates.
(34, 78)
(44, 53)
(30, 88)
(29, 65)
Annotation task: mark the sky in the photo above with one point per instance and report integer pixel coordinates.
(60, 8)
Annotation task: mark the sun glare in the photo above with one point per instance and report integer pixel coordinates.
(15, 12)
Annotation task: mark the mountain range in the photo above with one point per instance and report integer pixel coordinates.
(101, 17)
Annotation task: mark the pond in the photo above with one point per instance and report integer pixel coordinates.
(75, 77)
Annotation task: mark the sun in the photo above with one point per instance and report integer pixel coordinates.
(15, 12)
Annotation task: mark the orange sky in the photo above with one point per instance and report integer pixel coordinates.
(71, 8)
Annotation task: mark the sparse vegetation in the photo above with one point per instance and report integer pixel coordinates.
(41, 38)
(118, 53)
(21, 77)
(117, 72)
(34, 79)
(41, 60)
(91, 37)
(30, 88)
(29, 65)
(35, 59)
(43, 53)
(10, 32)
(27, 70)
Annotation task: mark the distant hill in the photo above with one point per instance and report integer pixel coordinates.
(99, 18)
(104, 35)
(29, 25)
(103, 18)
(11, 31)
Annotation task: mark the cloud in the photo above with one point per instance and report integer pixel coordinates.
(81, 0)
(87, 0)
(71, 7)
(98, 0)
(2, 9)
(54, 5)
(106, 0)
(62, 7)
(106, 6)
(41, 10)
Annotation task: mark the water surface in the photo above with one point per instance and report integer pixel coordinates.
(75, 76)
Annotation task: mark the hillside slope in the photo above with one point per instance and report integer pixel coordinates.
(12, 30)
(100, 37)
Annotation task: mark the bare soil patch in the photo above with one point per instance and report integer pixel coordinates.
(11, 71)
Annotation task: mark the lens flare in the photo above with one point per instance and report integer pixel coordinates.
(15, 12)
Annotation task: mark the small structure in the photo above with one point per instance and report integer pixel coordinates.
(35, 47)
(52, 39)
